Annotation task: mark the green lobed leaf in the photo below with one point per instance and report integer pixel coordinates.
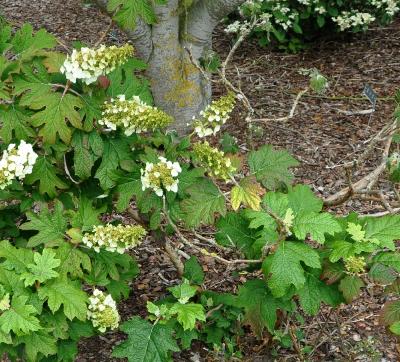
(20, 317)
(314, 292)
(271, 167)
(233, 230)
(390, 313)
(84, 155)
(130, 10)
(51, 226)
(204, 203)
(188, 314)
(26, 44)
(316, 225)
(183, 292)
(301, 198)
(193, 271)
(259, 305)
(14, 124)
(39, 342)
(14, 258)
(146, 342)
(284, 268)
(351, 286)
(73, 261)
(46, 173)
(115, 151)
(386, 229)
(42, 269)
(67, 293)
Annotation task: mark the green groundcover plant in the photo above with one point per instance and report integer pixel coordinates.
(81, 142)
(293, 23)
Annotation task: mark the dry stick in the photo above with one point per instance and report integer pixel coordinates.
(174, 257)
(291, 113)
(367, 181)
(102, 37)
(207, 240)
(295, 343)
(204, 251)
(377, 138)
(382, 213)
(68, 173)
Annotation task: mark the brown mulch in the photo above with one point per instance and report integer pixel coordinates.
(319, 135)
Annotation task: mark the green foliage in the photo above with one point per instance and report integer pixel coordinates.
(146, 342)
(271, 167)
(291, 24)
(85, 175)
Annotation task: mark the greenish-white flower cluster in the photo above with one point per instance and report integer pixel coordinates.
(353, 19)
(114, 238)
(102, 311)
(214, 116)
(390, 7)
(16, 163)
(271, 16)
(133, 115)
(215, 161)
(355, 264)
(88, 64)
(161, 176)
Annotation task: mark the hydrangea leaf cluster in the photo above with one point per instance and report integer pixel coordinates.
(134, 116)
(215, 161)
(102, 311)
(16, 163)
(355, 264)
(214, 116)
(88, 64)
(161, 177)
(112, 238)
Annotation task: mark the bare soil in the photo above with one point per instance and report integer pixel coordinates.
(320, 135)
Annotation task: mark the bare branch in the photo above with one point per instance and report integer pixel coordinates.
(368, 181)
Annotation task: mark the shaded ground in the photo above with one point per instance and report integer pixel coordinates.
(319, 135)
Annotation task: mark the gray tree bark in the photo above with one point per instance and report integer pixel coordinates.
(181, 36)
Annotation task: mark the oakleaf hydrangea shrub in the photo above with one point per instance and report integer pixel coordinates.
(76, 153)
(292, 23)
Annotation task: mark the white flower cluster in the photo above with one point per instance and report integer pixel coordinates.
(114, 238)
(161, 176)
(133, 115)
(88, 64)
(16, 163)
(214, 116)
(286, 16)
(353, 19)
(237, 27)
(390, 7)
(102, 311)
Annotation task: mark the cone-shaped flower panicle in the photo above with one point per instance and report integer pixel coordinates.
(214, 116)
(102, 311)
(213, 160)
(88, 64)
(133, 116)
(114, 238)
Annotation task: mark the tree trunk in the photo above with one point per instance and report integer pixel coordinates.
(178, 86)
